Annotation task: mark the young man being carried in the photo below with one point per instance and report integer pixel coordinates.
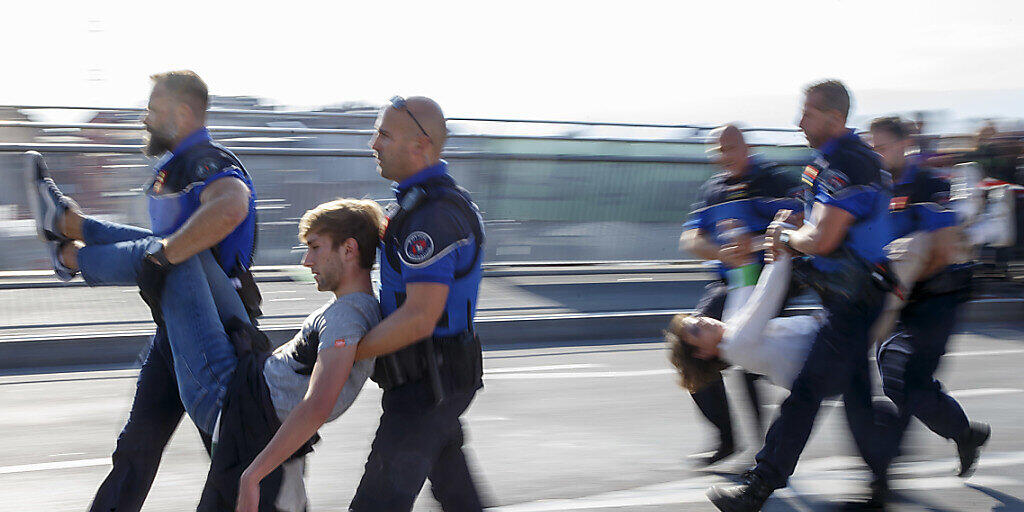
(276, 402)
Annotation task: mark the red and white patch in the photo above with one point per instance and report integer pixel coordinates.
(898, 203)
(340, 342)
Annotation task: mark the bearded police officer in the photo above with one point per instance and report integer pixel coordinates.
(428, 357)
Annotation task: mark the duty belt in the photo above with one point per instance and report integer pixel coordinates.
(448, 363)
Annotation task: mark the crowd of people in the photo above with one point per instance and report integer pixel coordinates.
(836, 230)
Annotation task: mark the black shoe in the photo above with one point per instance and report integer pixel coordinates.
(880, 494)
(748, 496)
(969, 447)
(44, 198)
(705, 459)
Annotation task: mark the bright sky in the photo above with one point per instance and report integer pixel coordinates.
(676, 61)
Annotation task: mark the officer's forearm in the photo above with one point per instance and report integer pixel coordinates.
(941, 255)
(208, 226)
(697, 244)
(400, 329)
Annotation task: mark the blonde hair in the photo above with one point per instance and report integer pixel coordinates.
(694, 373)
(341, 219)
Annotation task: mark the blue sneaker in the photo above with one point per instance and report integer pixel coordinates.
(63, 273)
(44, 198)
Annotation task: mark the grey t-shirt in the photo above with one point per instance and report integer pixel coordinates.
(342, 321)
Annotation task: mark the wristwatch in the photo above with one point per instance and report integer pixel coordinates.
(784, 240)
(155, 254)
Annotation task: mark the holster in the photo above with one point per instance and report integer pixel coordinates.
(957, 280)
(850, 282)
(449, 364)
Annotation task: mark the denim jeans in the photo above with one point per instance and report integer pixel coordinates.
(196, 300)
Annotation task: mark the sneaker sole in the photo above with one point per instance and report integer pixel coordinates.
(43, 211)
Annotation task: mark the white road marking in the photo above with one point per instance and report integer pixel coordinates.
(634, 279)
(975, 353)
(580, 375)
(962, 393)
(828, 476)
(48, 466)
(542, 368)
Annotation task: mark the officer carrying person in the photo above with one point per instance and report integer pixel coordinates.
(749, 192)
(846, 229)
(908, 360)
(202, 210)
(429, 360)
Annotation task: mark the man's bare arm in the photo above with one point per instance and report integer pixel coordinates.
(414, 320)
(224, 205)
(825, 231)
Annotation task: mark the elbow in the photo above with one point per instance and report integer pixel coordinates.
(423, 325)
(320, 409)
(234, 215)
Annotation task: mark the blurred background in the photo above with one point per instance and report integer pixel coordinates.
(581, 129)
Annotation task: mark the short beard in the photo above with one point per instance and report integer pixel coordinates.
(157, 144)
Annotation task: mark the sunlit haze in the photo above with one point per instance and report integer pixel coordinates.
(637, 61)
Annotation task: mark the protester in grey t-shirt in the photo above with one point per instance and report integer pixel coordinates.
(341, 322)
(313, 378)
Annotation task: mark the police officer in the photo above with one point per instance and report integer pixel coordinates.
(429, 360)
(907, 361)
(749, 192)
(847, 228)
(202, 210)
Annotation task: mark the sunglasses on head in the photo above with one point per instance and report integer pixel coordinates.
(398, 103)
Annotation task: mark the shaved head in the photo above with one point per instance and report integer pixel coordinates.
(409, 137)
(429, 115)
(731, 151)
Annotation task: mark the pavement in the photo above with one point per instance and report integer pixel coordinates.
(589, 425)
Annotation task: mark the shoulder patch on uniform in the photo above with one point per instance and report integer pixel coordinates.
(206, 167)
(418, 246)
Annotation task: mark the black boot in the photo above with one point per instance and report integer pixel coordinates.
(748, 496)
(880, 494)
(968, 446)
(726, 447)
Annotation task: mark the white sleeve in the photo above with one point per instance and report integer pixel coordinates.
(744, 329)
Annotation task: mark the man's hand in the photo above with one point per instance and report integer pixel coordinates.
(248, 494)
(771, 235)
(734, 255)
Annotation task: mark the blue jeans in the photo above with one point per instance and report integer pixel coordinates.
(196, 300)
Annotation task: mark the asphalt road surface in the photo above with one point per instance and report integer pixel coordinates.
(591, 426)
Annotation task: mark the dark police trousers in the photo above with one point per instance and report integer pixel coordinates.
(156, 412)
(836, 365)
(418, 440)
(712, 401)
(907, 362)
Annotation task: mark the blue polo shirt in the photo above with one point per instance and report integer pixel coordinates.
(752, 198)
(847, 174)
(174, 192)
(435, 243)
(920, 202)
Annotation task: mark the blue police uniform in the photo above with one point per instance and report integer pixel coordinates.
(174, 191)
(173, 196)
(846, 175)
(434, 236)
(907, 361)
(753, 199)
